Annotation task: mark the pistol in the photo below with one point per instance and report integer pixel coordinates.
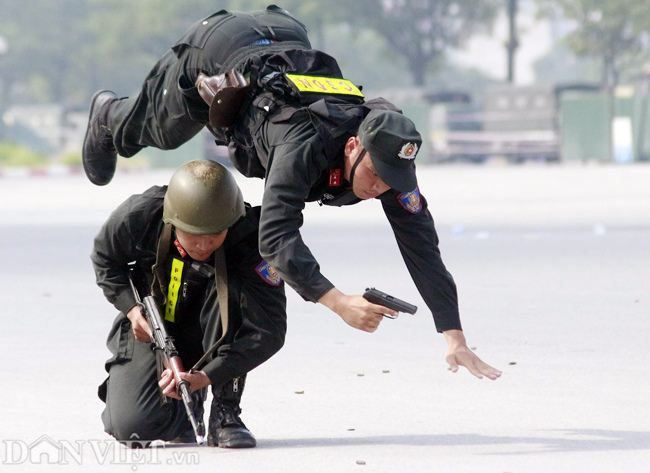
(381, 298)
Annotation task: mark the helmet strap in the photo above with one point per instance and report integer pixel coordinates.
(354, 166)
(221, 281)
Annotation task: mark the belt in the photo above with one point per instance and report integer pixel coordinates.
(238, 59)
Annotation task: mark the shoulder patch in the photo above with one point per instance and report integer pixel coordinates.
(411, 201)
(268, 273)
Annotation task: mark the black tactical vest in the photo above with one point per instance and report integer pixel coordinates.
(274, 98)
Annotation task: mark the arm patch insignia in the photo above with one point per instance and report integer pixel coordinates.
(411, 201)
(268, 273)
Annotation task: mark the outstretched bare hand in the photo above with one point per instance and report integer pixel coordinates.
(458, 354)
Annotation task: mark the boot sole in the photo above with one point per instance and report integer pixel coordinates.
(239, 443)
(90, 114)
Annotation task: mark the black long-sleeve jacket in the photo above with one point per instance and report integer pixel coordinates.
(297, 145)
(257, 304)
(298, 172)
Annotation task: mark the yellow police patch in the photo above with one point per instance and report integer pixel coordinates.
(173, 289)
(324, 85)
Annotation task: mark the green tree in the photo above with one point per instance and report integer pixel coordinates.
(45, 38)
(420, 31)
(131, 36)
(560, 65)
(413, 32)
(62, 51)
(610, 30)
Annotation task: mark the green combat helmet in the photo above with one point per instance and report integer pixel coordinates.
(203, 198)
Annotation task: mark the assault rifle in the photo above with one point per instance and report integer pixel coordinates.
(164, 347)
(381, 298)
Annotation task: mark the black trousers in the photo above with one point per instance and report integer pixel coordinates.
(169, 110)
(134, 402)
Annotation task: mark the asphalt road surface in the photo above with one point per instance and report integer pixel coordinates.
(552, 266)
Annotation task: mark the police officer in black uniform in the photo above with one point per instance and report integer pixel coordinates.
(182, 230)
(288, 115)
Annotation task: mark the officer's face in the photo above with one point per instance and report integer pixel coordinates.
(200, 247)
(367, 183)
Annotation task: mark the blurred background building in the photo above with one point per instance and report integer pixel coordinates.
(484, 80)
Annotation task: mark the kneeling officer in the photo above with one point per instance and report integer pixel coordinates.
(187, 243)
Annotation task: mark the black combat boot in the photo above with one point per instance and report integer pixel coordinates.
(226, 428)
(99, 154)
